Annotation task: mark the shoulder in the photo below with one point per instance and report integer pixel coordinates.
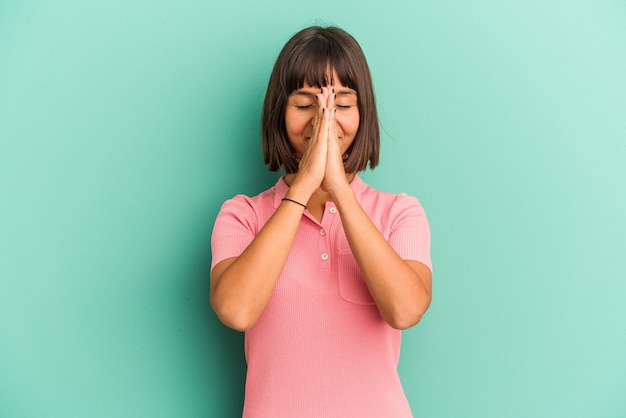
(392, 211)
(391, 203)
(249, 209)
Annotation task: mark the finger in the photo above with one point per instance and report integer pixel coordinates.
(326, 127)
(317, 120)
(318, 140)
(332, 106)
(327, 93)
(323, 104)
(321, 100)
(333, 139)
(331, 99)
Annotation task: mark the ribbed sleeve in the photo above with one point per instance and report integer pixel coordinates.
(235, 227)
(409, 232)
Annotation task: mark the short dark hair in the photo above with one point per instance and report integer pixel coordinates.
(306, 57)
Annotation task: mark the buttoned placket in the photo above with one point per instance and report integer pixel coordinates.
(323, 238)
(325, 233)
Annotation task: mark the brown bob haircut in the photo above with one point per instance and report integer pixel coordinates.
(306, 57)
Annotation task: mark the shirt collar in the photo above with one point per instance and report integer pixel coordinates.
(281, 188)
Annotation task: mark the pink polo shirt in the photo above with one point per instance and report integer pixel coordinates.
(320, 348)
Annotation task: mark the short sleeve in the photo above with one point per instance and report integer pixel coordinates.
(409, 233)
(235, 227)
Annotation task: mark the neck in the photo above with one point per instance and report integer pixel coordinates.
(320, 195)
(318, 199)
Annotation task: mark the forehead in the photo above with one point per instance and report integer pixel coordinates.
(333, 80)
(317, 74)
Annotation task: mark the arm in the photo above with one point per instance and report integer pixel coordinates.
(242, 286)
(400, 288)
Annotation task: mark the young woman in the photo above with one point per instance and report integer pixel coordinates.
(321, 271)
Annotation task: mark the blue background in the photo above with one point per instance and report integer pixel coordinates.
(125, 125)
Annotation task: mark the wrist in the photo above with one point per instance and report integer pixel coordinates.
(293, 201)
(340, 187)
(342, 195)
(300, 191)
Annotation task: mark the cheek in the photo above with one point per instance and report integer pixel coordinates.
(349, 123)
(296, 123)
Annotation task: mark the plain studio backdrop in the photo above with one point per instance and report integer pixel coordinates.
(125, 125)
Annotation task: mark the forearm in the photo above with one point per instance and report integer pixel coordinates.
(241, 287)
(400, 288)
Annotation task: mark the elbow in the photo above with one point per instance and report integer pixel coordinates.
(236, 325)
(402, 322)
(408, 317)
(232, 318)
(237, 322)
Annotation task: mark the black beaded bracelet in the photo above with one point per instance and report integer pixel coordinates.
(291, 200)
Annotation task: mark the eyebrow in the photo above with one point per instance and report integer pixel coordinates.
(343, 91)
(302, 93)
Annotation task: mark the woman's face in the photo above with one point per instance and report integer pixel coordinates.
(302, 106)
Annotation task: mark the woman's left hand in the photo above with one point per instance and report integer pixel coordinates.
(335, 178)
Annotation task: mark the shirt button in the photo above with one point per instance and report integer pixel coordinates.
(324, 256)
(333, 210)
(322, 232)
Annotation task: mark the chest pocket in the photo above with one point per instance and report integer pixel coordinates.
(352, 286)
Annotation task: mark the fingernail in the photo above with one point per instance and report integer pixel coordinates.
(334, 96)
(323, 109)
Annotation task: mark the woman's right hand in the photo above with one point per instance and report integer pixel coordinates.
(242, 286)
